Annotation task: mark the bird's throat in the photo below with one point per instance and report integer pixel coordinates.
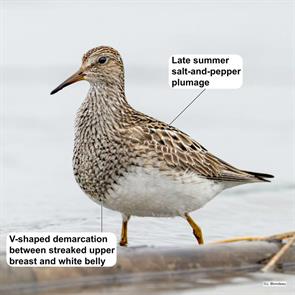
(104, 110)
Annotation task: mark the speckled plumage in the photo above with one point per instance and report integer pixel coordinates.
(117, 149)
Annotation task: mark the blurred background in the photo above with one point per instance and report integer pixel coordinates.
(42, 43)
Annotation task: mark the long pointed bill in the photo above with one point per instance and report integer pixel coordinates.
(78, 76)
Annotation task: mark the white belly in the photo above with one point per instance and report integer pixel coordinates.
(150, 192)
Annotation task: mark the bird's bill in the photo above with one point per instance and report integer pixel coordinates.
(78, 76)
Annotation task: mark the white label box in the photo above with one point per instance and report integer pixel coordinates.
(61, 249)
(210, 71)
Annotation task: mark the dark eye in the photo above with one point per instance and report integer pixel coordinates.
(102, 60)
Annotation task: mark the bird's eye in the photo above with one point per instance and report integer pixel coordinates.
(102, 60)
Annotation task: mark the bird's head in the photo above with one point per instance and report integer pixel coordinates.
(101, 65)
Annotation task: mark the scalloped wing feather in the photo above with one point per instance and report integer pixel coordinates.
(179, 151)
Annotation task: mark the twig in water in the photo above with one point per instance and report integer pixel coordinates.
(279, 237)
(274, 260)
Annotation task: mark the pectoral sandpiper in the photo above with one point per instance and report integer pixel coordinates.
(135, 164)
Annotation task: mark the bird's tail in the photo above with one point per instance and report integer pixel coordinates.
(260, 176)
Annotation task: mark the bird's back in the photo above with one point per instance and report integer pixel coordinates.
(178, 151)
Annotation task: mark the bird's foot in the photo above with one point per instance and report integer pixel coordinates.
(123, 243)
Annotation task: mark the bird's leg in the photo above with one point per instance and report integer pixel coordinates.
(124, 239)
(196, 229)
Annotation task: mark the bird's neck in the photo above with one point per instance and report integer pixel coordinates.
(105, 109)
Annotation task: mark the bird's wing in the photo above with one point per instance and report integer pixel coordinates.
(179, 151)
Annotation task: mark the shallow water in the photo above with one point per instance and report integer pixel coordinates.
(40, 192)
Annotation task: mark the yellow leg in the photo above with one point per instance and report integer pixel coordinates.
(124, 240)
(196, 229)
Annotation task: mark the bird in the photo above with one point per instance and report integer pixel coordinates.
(135, 164)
